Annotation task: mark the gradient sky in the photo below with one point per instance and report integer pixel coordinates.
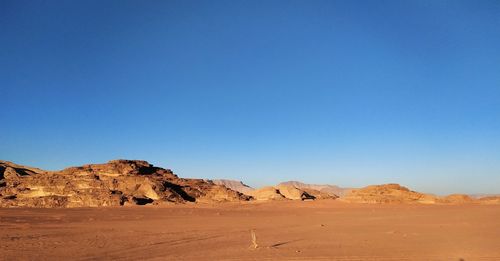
(342, 92)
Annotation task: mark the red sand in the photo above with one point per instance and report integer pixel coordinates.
(294, 230)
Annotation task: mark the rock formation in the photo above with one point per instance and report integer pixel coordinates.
(282, 192)
(489, 200)
(317, 194)
(285, 190)
(291, 192)
(115, 183)
(395, 193)
(388, 193)
(267, 193)
(135, 182)
(235, 185)
(456, 199)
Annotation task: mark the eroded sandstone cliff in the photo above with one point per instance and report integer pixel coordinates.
(116, 183)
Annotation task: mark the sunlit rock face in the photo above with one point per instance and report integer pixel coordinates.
(389, 193)
(395, 193)
(291, 192)
(489, 200)
(457, 199)
(283, 192)
(267, 193)
(286, 190)
(115, 183)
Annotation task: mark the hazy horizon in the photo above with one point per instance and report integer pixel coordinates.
(350, 93)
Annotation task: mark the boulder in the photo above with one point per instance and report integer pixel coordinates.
(267, 193)
(291, 192)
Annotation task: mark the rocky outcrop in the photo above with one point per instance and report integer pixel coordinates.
(285, 190)
(291, 192)
(489, 200)
(115, 183)
(267, 193)
(317, 194)
(332, 190)
(282, 192)
(388, 193)
(235, 185)
(395, 193)
(456, 199)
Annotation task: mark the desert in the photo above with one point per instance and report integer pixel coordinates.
(285, 230)
(130, 209)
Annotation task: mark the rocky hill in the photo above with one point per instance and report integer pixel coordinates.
(281, 192)
(489, 200)
(116, 183)
(235, 185)
(388, 193)
(395, 193)
(456, 199)
(267, 193)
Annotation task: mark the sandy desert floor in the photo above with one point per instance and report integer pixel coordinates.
(319, 230)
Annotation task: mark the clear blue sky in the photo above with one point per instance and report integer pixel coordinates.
(343, 92)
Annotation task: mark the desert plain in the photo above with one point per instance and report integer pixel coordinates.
(284, 230)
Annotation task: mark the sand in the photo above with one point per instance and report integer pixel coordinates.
(291, 230)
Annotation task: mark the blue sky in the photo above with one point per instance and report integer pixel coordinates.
(342, 92)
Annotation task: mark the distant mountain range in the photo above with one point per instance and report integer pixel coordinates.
(325, 188)
(332, 190)
(234, 185)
